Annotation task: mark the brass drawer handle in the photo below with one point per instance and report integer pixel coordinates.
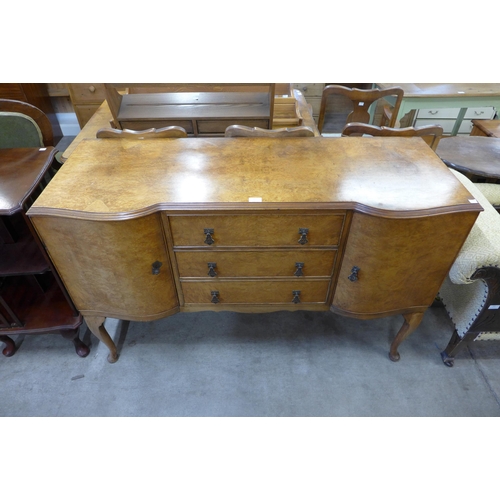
(209, 239)
(354, 274)
(296, 297)
(303, 235)
(211, 269)
(156, 267)
(215, 297)
(298, 271)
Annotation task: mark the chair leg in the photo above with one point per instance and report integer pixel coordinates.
(10, 346)
(455, 344)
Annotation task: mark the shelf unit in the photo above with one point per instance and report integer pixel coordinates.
(33, 299)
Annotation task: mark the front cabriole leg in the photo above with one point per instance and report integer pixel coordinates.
(96, 325)
(412, 320)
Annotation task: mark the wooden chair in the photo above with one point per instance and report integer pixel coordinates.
(361, 100)
(243, 131)
(23, 125)
(431, 134)
(150, 133)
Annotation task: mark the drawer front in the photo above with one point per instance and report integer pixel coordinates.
(446, 124)
(484, 113)
(315, 102)
(465, 127)
(225, 264)
(310, 89)
(438, 113)
(256, 230)
(219, 126)
(255, 292)
(187, 125)
(82, 93)
(85, 112)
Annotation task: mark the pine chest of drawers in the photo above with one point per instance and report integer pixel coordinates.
(365, 227)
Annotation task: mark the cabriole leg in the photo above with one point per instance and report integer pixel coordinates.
(96, 325)
(10, 346)
(412, 320)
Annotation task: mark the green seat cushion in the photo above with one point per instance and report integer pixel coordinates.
(19, 131)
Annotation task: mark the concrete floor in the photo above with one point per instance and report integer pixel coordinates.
(282, 364)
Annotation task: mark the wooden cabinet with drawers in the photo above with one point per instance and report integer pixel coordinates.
(142, 230)
(86, 99)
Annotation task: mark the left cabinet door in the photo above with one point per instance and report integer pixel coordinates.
(118, 269)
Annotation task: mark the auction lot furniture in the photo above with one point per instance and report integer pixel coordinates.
(200, 109)
(471, 291)
(32, 297)
(453, 106)
(488, 128)
(142, 230)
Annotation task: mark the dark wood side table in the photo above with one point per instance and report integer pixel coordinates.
(476, 157)
(487, 128)
(32, 297)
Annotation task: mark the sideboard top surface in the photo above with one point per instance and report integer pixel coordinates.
(109, 179)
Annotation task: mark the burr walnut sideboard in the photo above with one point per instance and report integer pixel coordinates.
(364, 227)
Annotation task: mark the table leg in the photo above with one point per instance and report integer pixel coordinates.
(412, 320)
(10, 346)
(96, 325)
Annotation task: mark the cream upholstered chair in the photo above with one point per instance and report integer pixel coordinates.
(150, 133)
(431, 134)
(491, 193)
(471, 291)
(244, 131)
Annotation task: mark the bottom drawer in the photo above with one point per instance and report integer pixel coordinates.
(256, 292)
(219, 126)
(187, 125)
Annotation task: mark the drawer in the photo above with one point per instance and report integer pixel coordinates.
(256, 230)
(484, 113)
(227, 264)
(446, 124)
(219, 126)
(465, 127)
(438, 113)
(255, 292)
(85, 112)
(82, 93)
(310, 89)
(315, 103)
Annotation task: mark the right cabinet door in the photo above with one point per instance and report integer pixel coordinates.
(397, 265)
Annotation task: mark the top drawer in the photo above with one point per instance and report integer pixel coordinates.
(256, 230)
(310, 89)
(484, 113)
(87, 92)
(438, 113)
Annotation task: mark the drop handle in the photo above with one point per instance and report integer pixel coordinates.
(155, 267)
(211, 269)
(354, 274)
(298, 271)
(209, 240)
(303, 231)
(215, 297)
(296, 297)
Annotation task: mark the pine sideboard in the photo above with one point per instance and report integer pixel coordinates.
(364, 227)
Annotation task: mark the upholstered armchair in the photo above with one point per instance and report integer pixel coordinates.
(471, 291)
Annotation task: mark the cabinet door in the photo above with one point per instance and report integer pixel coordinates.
(397, 265)
(112, 268)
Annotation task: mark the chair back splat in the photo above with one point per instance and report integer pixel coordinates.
(360, 101)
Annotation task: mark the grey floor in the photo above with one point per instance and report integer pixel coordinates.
(282, 364)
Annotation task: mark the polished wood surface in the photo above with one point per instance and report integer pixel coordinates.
(106, 179)
(472, 155)
(21, 169)
(253, 224)
(488, 128)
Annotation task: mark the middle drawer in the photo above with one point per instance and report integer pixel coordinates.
(256, 230)
(227, 264)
